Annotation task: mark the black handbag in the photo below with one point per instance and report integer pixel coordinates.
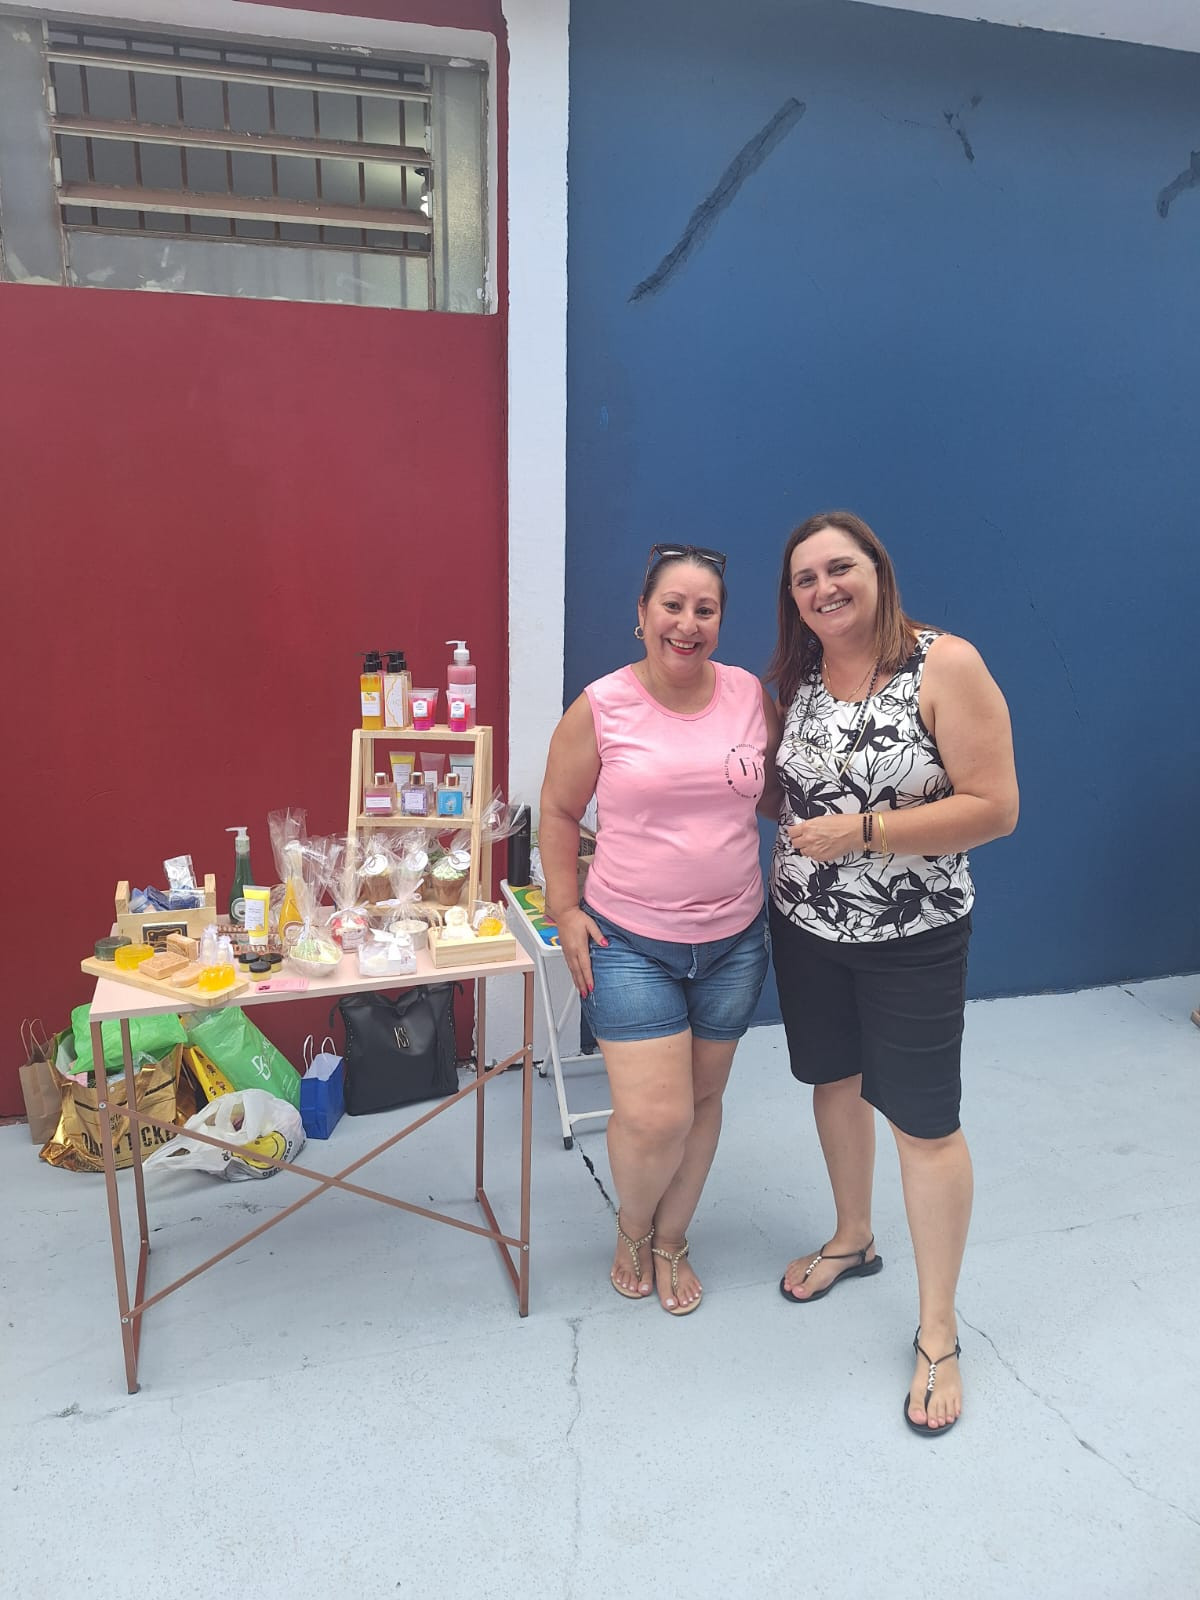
(399, 1048)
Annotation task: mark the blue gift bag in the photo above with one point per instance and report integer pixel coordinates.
(322, 1090)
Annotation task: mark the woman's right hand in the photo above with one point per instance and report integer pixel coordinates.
(576, 934)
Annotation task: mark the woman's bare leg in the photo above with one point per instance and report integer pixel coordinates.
(846, 1127)
(938, 1189)
(651, 1083)
(711, 1063)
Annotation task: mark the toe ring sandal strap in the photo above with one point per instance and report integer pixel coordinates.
(933, 1365)
(674, 1257)
(859, 1257)
(635, 1246)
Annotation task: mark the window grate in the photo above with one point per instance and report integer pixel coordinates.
(179, 138)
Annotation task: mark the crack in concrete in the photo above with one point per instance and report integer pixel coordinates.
(587, 1161)
(1083, 1443)
(703, 219)
(1189, 178)
(1080, 1227)
(183, 1442)
(1165, 1016)
(574, 1324)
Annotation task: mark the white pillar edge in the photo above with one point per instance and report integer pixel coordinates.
(538, 92)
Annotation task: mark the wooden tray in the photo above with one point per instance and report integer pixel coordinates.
(467, 952)
(188, 999)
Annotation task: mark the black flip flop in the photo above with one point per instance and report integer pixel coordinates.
(863, 1269)
(923, 1427)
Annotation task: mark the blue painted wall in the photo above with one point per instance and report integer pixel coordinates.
(946, 299)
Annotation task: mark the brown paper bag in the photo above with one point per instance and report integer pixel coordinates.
(159, 1092)
(41, 1085)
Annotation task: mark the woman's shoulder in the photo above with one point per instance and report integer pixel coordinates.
(611, 685)
(951, 659)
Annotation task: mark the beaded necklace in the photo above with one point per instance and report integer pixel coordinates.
(860, 721)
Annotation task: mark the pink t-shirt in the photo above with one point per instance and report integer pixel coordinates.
(677, 842)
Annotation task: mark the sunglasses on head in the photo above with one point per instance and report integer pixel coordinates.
(676, 552)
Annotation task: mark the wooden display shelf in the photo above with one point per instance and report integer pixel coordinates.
(362, 763)
(439, 732)
(393, 819)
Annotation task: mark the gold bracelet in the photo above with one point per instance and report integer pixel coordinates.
(883, 844)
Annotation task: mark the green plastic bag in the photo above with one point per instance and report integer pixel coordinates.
(151, 1039)
(244, 1054)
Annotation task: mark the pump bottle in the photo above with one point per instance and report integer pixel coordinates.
(460, 689)
(370, 688)
(397, 690)
(242, 875)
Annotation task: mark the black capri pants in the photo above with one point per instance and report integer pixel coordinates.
(890, 1010)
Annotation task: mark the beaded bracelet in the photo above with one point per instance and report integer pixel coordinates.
(868, 825)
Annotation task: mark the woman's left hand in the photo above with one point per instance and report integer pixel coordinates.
(826, 838)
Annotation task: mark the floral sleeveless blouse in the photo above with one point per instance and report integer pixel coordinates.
(864, 898)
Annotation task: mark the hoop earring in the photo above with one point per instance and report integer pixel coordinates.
(639, 632)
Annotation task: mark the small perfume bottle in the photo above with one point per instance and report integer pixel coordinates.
(450, 797)
(379, 798)
(414, 797)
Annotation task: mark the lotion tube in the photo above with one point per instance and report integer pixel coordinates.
(258, 915)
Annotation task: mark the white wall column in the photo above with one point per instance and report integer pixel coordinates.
(537, 379)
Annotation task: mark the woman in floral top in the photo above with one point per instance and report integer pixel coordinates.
(896, 758)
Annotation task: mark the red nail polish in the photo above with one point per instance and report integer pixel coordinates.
(604, 942)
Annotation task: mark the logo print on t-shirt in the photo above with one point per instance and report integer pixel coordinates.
(744, 771)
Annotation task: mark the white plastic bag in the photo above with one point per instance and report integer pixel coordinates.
(269, 1125)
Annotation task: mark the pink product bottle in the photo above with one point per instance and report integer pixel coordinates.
(460, 689)
(379, 798)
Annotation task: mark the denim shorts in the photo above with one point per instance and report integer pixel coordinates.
(654, 988)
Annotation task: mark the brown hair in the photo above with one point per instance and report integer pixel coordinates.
(798, 650)
(692, 559)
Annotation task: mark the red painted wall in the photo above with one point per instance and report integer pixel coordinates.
(209, 507)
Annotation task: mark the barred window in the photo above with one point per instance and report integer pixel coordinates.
(239, 167)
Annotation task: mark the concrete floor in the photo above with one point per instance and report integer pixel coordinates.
(351, 1407)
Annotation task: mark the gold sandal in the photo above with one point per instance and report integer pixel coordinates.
(634, 1246)
(675, 1257)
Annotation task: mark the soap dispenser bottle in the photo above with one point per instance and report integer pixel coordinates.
(241, 876)
(370, 688)
(460, 689)
(397, 690)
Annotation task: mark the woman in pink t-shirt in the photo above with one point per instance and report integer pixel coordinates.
(669, 950)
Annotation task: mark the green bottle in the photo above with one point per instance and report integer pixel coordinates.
(241, 876)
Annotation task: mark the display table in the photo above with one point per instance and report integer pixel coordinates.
(550, 957)
(119, 1002)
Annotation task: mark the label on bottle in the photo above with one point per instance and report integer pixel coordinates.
(458, 713)
(378, 802)
(370, 702)
(395, 699)
(463, 691)
(237, 911)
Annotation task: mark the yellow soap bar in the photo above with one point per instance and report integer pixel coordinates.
(130, 956)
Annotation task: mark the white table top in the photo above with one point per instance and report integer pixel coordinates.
(113, 999)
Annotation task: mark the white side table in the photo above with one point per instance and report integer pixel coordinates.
(548, 957)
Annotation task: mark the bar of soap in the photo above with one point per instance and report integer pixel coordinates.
(186, 976)
(189, 949)
(163, 964)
